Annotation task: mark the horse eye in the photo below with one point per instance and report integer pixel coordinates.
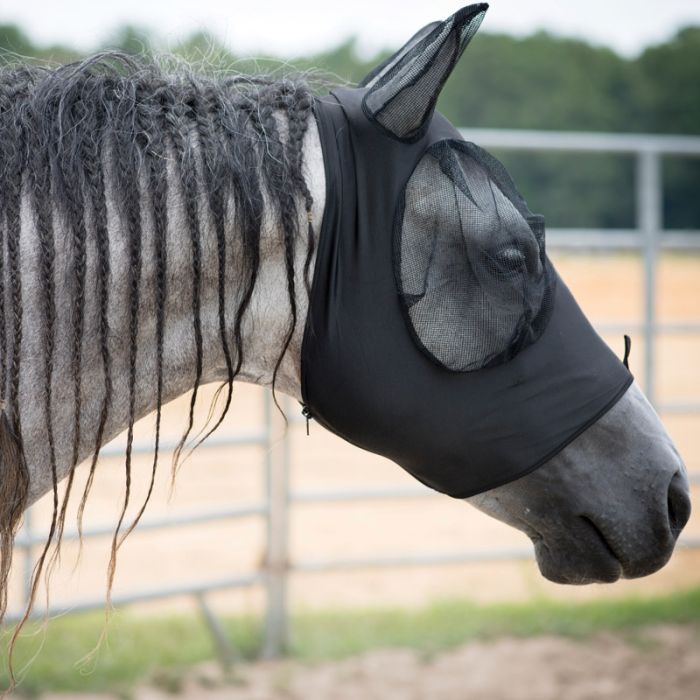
(511, 257)
(506, 260)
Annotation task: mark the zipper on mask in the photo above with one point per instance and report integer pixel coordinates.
(306, 412)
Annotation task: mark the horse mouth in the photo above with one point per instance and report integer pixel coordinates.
(590, 556)
(602, 539)
(592, 560)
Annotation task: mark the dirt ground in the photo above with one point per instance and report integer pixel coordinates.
(659, 662)
(608, 288)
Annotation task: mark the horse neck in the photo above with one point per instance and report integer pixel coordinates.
(264, 328)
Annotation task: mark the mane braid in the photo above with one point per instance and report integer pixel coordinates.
(12, 210)
(95, 186)
(71, 186)
(182, 118)
(15, 482)
(39, 181)
(126, 156)
(276, 168)
(249, 208)
(92, 154)
(158, 187)
(42, 180)
(299, 111)
(14, 485)
(212, 147)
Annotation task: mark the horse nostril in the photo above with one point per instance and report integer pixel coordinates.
(678, 505)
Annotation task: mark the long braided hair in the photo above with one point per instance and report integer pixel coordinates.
(110, 129)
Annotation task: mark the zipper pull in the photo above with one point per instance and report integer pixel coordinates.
(306, 412)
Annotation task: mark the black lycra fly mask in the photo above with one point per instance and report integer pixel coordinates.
(439, 334)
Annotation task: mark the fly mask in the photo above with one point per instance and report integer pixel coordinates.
(439, 334)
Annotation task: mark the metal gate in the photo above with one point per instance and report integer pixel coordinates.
(648, 238)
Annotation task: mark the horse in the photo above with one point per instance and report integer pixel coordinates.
(161, 230)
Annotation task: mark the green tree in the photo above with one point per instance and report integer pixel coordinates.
(670, 75)
(536, 82)
(14, 40)
(130, 39)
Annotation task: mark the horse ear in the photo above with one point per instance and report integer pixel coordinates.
(404, 89)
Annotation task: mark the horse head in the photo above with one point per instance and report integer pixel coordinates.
(440, 335)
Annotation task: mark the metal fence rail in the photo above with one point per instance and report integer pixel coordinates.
(648, 238)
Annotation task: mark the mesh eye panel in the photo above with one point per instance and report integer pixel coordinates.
(469, 260)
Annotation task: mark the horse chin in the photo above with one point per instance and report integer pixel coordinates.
(568, 566)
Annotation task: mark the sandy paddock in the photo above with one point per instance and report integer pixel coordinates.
(660, 662)
(609, 288)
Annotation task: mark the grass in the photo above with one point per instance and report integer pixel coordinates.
(141, 649)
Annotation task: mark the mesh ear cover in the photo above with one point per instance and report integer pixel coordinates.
(469, 260)
(402, 98)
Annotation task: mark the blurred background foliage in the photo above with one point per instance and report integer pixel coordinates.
(537, 82)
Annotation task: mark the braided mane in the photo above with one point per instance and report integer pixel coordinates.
(108, 129)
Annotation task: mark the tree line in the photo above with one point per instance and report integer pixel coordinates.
(537, 82)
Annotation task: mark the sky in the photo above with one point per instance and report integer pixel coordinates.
(284, 28)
